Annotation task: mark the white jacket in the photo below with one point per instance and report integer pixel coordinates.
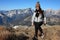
(35, 19)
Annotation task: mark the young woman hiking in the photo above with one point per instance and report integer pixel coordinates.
(38, 19)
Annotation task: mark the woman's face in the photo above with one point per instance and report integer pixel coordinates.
(37, 8)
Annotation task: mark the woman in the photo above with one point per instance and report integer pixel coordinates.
(38, 19)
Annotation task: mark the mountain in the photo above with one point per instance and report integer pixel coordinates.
(1, 22)
(23, 17)
(14, 17)
(53, 16)
(50, 12)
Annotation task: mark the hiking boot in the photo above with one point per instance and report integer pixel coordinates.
(42, 35)
(35, 38)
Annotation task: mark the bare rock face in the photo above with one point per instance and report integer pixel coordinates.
(22, 33)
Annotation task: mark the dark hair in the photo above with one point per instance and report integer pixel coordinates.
(40, 11)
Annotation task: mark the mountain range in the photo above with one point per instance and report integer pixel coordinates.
(23, 17)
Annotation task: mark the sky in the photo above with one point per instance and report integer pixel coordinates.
(22, 4)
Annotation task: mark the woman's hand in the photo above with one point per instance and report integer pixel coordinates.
(32, 24)
(44, 22)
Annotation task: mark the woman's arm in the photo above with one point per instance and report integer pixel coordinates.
(44, 18)
(33, 18)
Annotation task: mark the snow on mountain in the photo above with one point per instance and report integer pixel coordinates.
(1, 15)
(14, 17)
(23, 16)
(50, 12)
(57, 12)
(53, 16)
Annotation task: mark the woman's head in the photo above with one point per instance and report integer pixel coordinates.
(37, 6)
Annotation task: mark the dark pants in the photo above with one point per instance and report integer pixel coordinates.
(38, 27)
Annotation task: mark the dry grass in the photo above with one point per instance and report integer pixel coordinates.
(22, 33)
